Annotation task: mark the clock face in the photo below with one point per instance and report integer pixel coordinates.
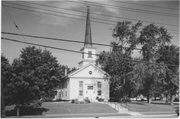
(90, 72)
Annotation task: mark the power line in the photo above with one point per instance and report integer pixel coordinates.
(40, 45)
(58, 39)
(65, 40)
(56, 15)
(14, 22)
(99, 14)
(126, 9)
(146, 5)
(69, 14)
(14, 40)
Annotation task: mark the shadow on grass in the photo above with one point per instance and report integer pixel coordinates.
(26, 111)
(162, 103)
(138, 103)
(176, 108)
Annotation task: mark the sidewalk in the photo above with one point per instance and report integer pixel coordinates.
(92, 115)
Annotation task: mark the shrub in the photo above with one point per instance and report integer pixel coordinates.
(72, 101)
(76, 101)
(87, 100)
(100, 99)
(176, 100)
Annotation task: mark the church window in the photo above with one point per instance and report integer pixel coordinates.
(90, 72)
(99, 92)
(90, 87)
(99, 87)
(89, 54)
(83, 55)
(80, 88)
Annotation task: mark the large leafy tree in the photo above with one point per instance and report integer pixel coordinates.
(36, 73)
(116, 62)
(169, 55)
(152, 38)
(146, 77)
(5, 84)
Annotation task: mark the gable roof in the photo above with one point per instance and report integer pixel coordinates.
(81, 68)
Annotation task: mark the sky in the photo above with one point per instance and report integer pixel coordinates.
(68, 27)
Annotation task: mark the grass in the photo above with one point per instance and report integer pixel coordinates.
(155, 106)
(65, 109)
(69, 108)
(50, 108)
(11, 111)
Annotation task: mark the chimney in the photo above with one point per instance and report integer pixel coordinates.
(65, 72)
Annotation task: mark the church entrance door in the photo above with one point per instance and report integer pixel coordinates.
(90, 92)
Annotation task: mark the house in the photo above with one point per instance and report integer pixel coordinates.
(89, 80)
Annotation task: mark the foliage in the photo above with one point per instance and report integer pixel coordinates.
(117, 67)
(170, 55)
(138, 77)
(118, 62)
(6, 79)
(36, 73)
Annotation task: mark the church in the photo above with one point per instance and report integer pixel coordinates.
(88, 80)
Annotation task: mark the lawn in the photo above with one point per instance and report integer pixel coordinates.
(69, 108)
(156, 106)
(64, 108)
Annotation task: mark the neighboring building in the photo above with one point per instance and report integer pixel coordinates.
(89, 80)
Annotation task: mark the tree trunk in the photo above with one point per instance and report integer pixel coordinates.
(166, 98)
(172, 99)
(17, 107)
(149, 99)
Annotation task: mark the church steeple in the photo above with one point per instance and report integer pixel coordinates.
(88, 51)
(88, 39)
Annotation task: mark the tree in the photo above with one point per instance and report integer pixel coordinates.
(36, 73)
(170, 55)
(151, 39)
(114, 64)
(5, 87)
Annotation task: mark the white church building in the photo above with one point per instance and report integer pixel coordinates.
(89, 80)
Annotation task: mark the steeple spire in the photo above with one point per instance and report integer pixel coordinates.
(88, 39)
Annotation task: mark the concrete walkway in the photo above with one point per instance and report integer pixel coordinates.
(122, 110)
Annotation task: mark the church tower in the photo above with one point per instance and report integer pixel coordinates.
(88, 51)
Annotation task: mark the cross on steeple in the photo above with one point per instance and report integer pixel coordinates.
(88, 39)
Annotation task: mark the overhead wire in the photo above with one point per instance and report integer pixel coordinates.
(56, 15)
(14, 22)
(146, 5)
(98, 14)
(69, 16)
(14, 40)
(126, 9)
(58, 39)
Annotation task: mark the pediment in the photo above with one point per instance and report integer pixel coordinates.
(89, 71)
